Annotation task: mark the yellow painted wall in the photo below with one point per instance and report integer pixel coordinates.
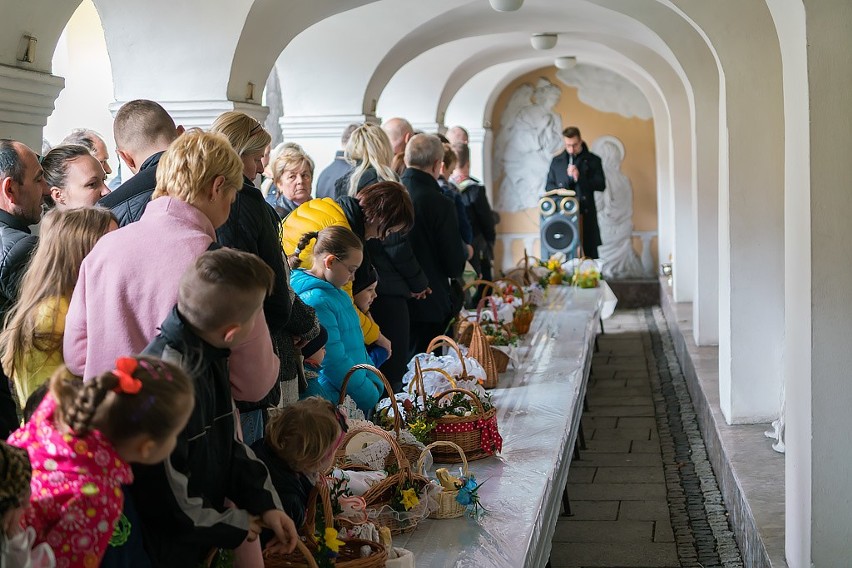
(639, 163)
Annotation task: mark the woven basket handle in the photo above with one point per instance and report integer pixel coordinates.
(404, 464)
(417, 380)
(442, 340)
(397, 419)
(487, 283)
(446, 443)
(472, 396)
(318, 493)
(309, 558)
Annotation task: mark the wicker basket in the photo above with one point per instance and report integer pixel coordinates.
(380, 495)
(443, 340)
(349, 555)
(411, 451)
(292, 560)
(523, 272)
(448, 507)
(522, 320)
(482, 351)
(501, 358)
(467, 432)
(575, 277)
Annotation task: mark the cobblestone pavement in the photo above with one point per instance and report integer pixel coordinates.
(642, 493)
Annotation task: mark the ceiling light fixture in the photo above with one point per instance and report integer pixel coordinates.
(506, 5)
(567, 62)
(543, 41)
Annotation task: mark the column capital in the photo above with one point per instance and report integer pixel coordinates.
(201, 114)
(321, 126)
(477, 135)
(27, 97)
(429, 127)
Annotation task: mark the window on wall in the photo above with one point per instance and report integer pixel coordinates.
(81, 58)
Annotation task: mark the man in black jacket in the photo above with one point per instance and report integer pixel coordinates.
(22, 192)
(578, 169)
(143, 131)
(435, 239)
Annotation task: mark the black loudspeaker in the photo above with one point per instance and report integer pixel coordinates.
(560, 223)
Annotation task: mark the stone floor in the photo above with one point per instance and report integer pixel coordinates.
(642, 493)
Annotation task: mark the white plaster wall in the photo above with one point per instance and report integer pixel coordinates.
(346, 65)
(830, 103)
(81, 57)
(789, 18)
(183, 57)
(700, 66)
(751, 260)
(44, 19)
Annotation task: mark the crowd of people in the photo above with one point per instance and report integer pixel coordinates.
(173, 350)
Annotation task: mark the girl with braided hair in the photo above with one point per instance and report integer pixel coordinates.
(81, 440)
(336, 254)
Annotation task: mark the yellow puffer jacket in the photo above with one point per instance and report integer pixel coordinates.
(315, 215)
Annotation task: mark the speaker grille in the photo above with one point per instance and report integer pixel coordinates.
(559, 234)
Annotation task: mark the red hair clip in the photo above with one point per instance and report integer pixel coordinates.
(124, 369)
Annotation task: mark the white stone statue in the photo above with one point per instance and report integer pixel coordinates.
(530, 135)
(778, 425)
(615, 213)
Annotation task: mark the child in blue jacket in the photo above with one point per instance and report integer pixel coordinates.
(337, 254)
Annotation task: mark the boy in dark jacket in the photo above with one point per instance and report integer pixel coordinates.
(181, 502)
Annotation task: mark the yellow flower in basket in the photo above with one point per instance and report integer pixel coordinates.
(331, 541)
(409, 499)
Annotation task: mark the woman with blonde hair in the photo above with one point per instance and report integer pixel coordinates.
(253, 226)
(129, 282)
(293, 174)
(370, 152)
(31, 341)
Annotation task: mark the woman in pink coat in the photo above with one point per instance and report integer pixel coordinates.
(129, 282)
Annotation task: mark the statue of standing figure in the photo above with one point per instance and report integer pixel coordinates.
(530, 135)
(615, 213)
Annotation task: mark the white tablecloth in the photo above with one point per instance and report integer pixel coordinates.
(539, 406)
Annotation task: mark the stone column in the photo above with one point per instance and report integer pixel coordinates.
(26, 100)
(817, 54)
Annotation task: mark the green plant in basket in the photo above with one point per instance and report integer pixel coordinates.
(499, 336)
(405, 498)
(587, 278)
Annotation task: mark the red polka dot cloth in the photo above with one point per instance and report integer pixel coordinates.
(491, 441)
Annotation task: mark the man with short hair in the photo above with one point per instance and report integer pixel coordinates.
(399, 131)
(578, 169)
(93, 142)
(143, 131)
(22, 193)
(435, 240)
(458, 135)
(337, 169)
(475, 200)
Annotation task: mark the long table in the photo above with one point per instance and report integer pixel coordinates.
(539, 407)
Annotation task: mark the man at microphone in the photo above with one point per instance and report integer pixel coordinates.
(578, 169)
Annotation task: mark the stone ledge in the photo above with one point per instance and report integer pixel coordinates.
(750, 474)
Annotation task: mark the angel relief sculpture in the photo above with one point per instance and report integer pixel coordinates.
(530, 135)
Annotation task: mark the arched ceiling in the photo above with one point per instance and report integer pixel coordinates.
(371, 62)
